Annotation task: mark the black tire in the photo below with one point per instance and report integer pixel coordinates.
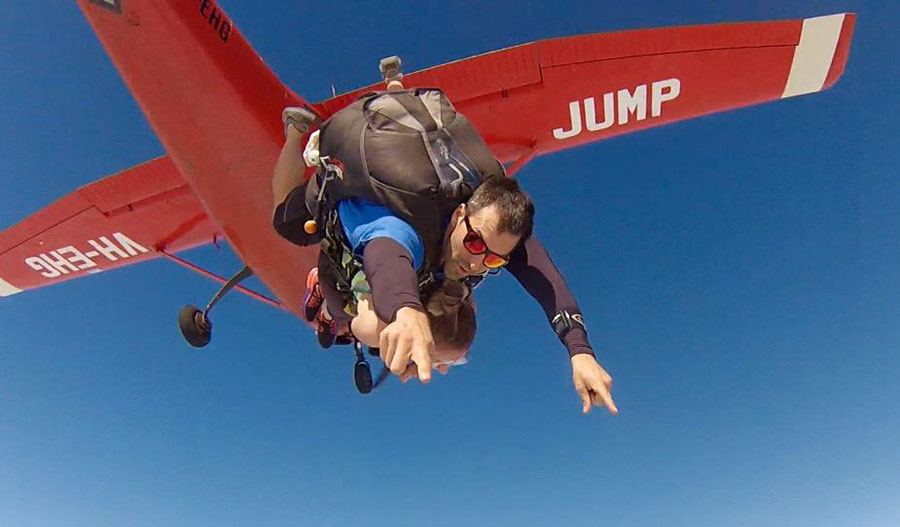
(195, 327)
(362, 376)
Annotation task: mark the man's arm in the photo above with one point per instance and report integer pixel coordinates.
(395, 298)
(533, 268)
(392, 278)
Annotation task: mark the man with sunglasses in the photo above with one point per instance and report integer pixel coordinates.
(489, 228)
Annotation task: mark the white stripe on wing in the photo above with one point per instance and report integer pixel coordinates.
(813, 55)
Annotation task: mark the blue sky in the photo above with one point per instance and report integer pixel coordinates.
(738, 272)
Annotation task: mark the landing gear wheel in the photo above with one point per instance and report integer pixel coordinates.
(195, 327)
(362, 376)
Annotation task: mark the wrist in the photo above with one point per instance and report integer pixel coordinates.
(581, 361)
(581, 352)
(408, 312)
(576, 343)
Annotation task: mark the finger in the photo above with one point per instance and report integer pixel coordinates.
(386, 347)
(410, 372)
(422, 358)
(610, 404)
(425, 371)
(604, 398)
(397, 366)
(401, 356)
(443, 368)
(585, 398)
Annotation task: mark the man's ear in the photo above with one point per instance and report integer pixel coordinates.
(454, 217)
(459, 211)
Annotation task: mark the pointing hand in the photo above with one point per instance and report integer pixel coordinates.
(592, 383)
(408, 338)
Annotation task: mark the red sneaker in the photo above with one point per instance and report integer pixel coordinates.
(314, 298)
(325, 330)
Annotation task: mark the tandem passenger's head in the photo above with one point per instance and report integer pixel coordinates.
(485, 230)
(451, 315)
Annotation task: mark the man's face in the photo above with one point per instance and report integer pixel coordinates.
(458, 261)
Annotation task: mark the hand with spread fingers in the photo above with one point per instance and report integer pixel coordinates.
(592, 383)
(408, 338)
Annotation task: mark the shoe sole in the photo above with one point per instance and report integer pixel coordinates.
(300, 118)
(324, 333)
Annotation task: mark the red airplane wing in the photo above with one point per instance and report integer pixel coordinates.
(215, 106)
(119, 220)
(559, 93)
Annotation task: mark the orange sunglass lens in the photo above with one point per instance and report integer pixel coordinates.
(492, 261)
(474, 244)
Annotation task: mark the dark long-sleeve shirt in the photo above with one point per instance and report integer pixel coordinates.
(531, 265)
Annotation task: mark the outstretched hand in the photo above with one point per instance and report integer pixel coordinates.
(408, 338)
(592, 383)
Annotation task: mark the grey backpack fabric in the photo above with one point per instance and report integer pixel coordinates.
(410, 151)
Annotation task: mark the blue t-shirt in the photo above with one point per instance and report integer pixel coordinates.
(364, 220)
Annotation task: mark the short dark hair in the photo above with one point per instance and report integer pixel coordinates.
(515, 206)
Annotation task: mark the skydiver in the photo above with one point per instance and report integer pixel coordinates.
(487, 228)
